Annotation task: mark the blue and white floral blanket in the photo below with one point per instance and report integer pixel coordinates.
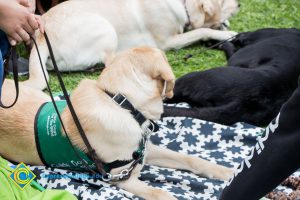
(225, 145)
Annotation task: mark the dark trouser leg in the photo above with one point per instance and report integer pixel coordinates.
(274, 158)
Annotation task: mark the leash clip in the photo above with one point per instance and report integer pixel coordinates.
(123, 175)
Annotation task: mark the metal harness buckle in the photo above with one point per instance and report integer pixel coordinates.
(117, 95)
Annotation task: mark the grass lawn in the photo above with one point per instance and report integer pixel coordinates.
(254, 14)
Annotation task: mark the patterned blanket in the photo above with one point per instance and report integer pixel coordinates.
(225, 145)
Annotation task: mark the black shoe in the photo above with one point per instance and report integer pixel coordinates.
(23, 66)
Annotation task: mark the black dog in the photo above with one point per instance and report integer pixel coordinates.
(262, 72)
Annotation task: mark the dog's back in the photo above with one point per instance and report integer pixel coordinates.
(260, 77)
(252, 38)
(280, 45)
(247, 38)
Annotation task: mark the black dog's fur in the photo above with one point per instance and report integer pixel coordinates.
(262, 72)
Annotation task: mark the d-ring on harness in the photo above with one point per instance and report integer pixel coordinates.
(102, 168)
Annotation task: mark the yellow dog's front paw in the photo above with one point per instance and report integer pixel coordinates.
(228, 34)
(220, 172)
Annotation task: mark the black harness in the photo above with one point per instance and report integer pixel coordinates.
(138, 155)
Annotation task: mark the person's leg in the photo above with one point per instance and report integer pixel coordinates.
(4, 47)
(274, 158)
(1, 72)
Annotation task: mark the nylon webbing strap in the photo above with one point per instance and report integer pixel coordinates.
(15, 75)
(91, 151)
(57, 110)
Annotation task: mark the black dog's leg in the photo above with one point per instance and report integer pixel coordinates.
(178, 112)
(220, 114)
(228, 48)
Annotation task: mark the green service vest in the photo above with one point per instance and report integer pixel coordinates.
(54, 148)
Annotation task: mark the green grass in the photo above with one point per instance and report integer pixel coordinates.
(254, 14)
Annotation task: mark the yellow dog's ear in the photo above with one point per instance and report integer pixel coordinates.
(168, 83)
(209, 7)
(153, 62)
(165, 73)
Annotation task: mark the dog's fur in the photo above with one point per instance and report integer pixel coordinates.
(262, 73)
(86, 32)
(139, 74)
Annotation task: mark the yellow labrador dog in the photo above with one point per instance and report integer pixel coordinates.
(143, 76)
(86, 32)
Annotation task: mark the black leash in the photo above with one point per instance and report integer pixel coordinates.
(188, 56)
(13, 54)
(91, 151)
(57, 112)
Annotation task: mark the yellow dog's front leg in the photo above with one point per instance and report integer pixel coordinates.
(163, 157)
(139, 188)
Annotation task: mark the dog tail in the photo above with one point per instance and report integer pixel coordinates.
(37, 63)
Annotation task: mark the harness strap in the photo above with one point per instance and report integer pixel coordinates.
(137, 115)
(117, 164)
(124, 103)
(15, 75)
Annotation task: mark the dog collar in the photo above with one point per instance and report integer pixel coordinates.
(188, 25)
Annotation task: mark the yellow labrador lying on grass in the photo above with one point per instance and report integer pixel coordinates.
(144, 76)
(86, 32)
